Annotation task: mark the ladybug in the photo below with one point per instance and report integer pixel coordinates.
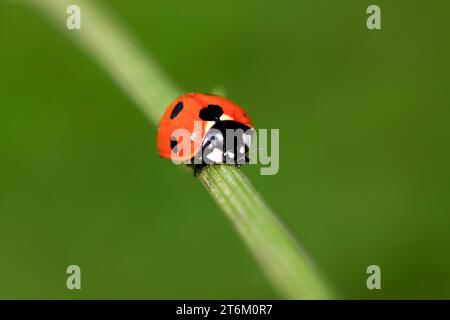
(206, 121)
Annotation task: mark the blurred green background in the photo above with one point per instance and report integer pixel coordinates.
(364, 126)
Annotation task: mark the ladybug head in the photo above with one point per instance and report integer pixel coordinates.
(227, 142)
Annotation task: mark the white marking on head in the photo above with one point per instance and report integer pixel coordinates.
(224, 117)
(216, 156)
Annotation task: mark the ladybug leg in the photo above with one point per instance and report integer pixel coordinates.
(195, 170)
(196, 164)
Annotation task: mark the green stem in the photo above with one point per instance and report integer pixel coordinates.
(284, 262)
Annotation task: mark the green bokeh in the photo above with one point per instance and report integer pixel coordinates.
(364, 174)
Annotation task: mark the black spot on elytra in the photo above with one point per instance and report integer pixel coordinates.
(176, 110)
(211, 113)
(173, 144)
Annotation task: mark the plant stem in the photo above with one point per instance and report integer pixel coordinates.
(139, 76)
(282, 259)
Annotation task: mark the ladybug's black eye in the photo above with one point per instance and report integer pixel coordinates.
(211, 113)
(176, 110)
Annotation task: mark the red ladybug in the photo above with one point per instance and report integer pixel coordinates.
(199, 114)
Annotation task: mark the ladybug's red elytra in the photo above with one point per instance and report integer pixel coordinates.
(198, 114)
